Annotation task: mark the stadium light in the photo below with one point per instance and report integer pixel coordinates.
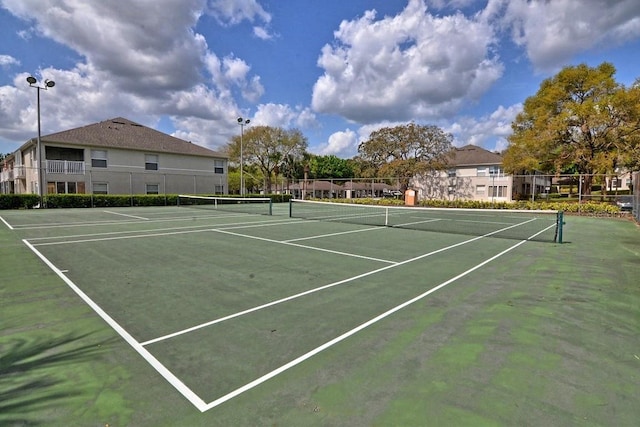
(242, 122)
(41, 170)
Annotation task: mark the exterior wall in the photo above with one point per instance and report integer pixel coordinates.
(125, 173)
(466, 183)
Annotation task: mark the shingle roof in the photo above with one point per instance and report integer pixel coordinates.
(125, 134)
(473, 155)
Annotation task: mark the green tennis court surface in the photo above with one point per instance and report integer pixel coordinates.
(195, 316)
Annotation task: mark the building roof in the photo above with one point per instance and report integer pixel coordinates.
(472, 155)
(125, 134)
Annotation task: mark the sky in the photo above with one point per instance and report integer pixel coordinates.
(335, 69)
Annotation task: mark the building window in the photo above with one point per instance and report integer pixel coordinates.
(481, 172)
(219, 189)
(481, 189)
(495, 170)
(100, 188)
(498, 191)
(99, 158)
(451, 173)
(61, 187)
(218, 166)
(153, 188)
(151, 162)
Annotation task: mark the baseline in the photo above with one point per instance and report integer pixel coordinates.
(351, 332)
(146, 355)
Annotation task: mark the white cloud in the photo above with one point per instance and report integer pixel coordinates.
(281, 115)
(490, 131)
(553, 32)
(134, 64)
(342, 144)
(262, 33)
(231, 12)
(409, 66)
(7, 60)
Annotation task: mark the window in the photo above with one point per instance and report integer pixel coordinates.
(481, 189)
(451, 173)
(218, 166)
(481, 172)
(61, 187)
(153, 188)
(151, 162)
(98, 158)
(219, 189)
(495, 170)
(100, 188)
(498, 191)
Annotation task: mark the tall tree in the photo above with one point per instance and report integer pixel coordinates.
(330, 166)
(580, 119)
(406, 150)
(267, 148)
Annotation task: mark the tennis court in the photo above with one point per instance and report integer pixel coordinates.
(221, 304)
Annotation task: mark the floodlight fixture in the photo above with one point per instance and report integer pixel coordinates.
(41, 169)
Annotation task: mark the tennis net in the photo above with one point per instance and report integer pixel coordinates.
(539, 225)
(251, 205)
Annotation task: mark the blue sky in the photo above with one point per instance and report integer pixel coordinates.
(335, 69)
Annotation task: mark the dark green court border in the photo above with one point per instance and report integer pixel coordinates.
(548, 338)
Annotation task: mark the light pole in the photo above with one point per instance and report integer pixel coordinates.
(242, 122)
(47, 84)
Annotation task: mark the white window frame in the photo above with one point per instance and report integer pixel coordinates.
(97, 157)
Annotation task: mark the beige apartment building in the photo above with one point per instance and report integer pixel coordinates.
(476, 174)
(116, 156)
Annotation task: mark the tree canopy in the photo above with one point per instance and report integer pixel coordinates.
(404, 151)
(330, 166)
(268, 148)
(580, 120)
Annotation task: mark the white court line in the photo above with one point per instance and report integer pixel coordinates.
(205, 227)
(313, 248)
(314, 290)
(6, 223)
(348, 334)
(162, 370)
(127, 215)
(310, 291)
(331, 234)
(105, 222)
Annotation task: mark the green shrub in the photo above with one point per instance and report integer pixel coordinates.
(19, 201)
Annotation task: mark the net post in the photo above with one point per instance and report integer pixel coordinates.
(559, 225)
(270, 206)
(290, 208)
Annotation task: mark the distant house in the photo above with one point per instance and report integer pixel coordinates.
(476, 174)
(116, 156)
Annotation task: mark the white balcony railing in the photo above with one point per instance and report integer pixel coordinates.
(19, 171)
(65, 167)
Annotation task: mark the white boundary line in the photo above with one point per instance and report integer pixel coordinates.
(309, 292)
(127, 215)
(159, 367)
(6, 223)
(347, 334)
(264, 239)
(194, 398)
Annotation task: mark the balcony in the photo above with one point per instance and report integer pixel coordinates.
(65, 167)
(20, 171)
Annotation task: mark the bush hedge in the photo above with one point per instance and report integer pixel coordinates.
(586, 208)
(30, 201)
